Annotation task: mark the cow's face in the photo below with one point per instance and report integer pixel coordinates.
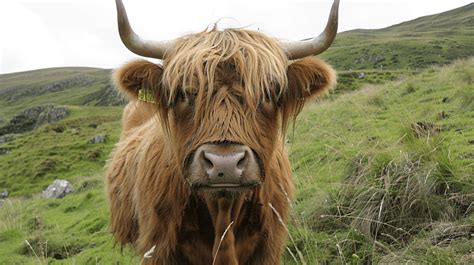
(224, 121)
(225, 99)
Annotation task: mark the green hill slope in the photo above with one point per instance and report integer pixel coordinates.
(435, 39)
(63, 86)
(62, 149)
(384, 174)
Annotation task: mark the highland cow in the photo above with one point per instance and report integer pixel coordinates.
(200, 174)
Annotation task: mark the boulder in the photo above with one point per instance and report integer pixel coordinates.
(4, 194)
(58, 189)
(98, 139)
(4, 150)
(51, 114)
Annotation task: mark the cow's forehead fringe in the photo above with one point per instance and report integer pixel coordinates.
(198, 60)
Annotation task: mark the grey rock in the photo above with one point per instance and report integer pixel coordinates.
(361, 75)
(100, 138)
(4, 150)
(4, 194)
(7, 138)
(58, 189)
(51, 115)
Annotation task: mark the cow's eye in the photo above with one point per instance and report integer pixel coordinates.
(184, 98)
(267, 98)
(267, 104)
(180, 96)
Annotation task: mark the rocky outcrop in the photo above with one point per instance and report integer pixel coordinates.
(18, 92)
(34, 117)
(58, 189)
(106, 96)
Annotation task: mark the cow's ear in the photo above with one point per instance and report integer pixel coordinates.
(309, 78)
(138, 75)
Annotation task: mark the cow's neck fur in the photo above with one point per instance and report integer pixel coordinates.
(173, 211)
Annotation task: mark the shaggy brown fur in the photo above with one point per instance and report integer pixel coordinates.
(215, 86)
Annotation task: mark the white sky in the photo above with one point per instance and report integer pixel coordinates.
(52, 33)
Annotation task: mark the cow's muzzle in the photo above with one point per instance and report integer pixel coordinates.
(223, 166)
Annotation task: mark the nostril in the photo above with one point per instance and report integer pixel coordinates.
(207, 163)
(242, 161)
(220, 174)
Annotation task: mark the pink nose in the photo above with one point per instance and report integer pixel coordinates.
(225, 168)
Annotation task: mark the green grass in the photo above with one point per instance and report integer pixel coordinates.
(19, 91)
(71, 230)
(355, 156)
(417, 44)
(38, 157)
(370, 130)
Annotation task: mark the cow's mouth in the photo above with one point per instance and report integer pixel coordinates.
(231, 186)
(227, 190)
(227, 186)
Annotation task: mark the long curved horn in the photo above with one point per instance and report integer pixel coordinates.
(152, 49)
(314, 46)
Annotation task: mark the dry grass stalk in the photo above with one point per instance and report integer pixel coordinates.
(34, 252)
(220, 242)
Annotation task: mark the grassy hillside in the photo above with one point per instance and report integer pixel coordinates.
(435, 39)
(384, 174)
(62, 149)
(63, 86)
(357, 138)
(375, 56)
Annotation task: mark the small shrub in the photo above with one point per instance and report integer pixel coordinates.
(391, 199)
(56, 248)
(409, 89)
(94, 155)
(45, 167)
(88, 184)
(424, 129)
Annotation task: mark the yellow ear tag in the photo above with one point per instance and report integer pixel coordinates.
(145, 96)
